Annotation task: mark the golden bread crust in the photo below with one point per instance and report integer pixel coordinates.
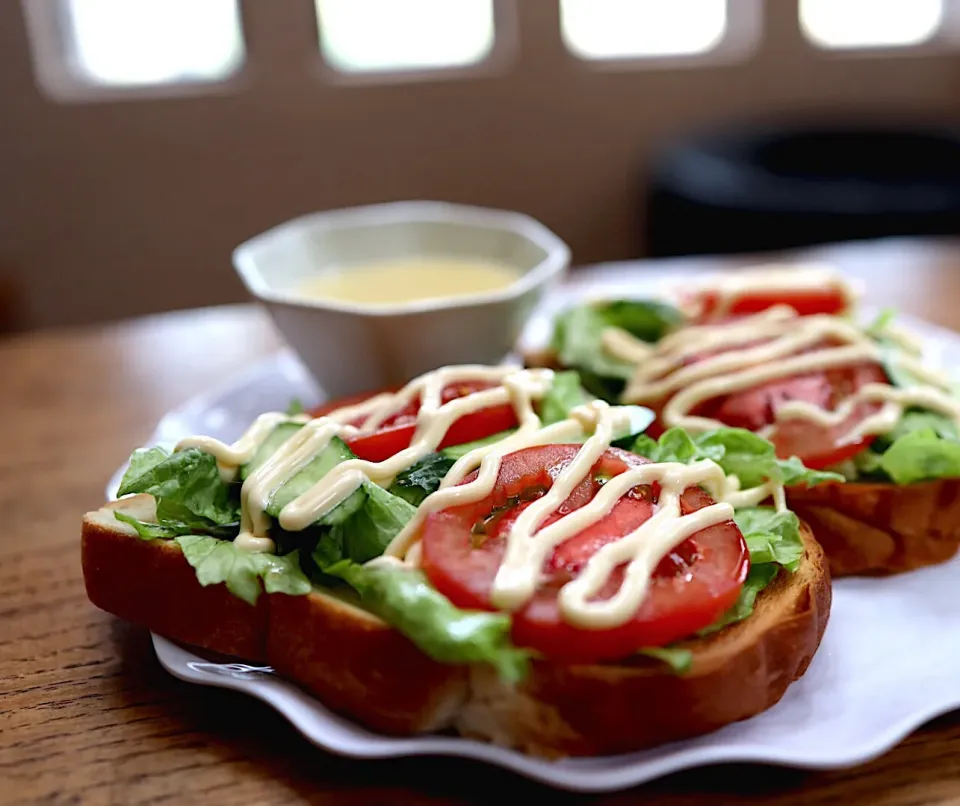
(148, 582)
(879, 529)
(359, 666)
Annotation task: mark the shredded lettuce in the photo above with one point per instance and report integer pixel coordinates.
(217, 561)
(404, 599)
(741, 453)
(295, 406)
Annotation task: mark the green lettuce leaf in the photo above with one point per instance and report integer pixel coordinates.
(757, 579)
(423, 478)
(647, 320)
(565, 393)
(577, 339)
(142, 462)
(295, 407)
(148, 531)
(740, 453)
(921, 455)
(364, 534)
(675, 445)
(917, 420)
(878, 328)
(772, 537)
(216, 561)
(367, 532)
(404, 599)
(577, 343)
(190, 494)
(923, 446)
(678, 659)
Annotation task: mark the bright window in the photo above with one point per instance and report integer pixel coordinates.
(360, 36)
(618, 29)
(144, 42)
(870, 23)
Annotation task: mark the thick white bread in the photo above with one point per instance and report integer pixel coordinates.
(359, 666)
(151, 584)
(882, 528)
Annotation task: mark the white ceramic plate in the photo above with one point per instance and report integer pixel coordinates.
(889, 661)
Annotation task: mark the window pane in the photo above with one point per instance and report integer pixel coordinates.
(137, 42)
(610, 29)
(379, 35)
(870, 23)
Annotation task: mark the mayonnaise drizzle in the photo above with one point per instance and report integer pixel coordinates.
(774, 344)
(528, 543)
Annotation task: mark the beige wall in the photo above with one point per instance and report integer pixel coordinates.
(118, 208)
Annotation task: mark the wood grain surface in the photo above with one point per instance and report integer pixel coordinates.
(87, 716)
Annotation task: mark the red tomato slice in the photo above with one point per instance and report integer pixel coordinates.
(806, 302)
(816, 446)
(396, 432)
(343, 402)
(691, 588)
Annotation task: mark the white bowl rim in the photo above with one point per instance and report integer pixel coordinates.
(555, 261)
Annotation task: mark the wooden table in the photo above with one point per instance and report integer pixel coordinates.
(87, 716)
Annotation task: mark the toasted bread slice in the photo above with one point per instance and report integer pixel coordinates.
(359, 666)
(877, 528)
(150, 583)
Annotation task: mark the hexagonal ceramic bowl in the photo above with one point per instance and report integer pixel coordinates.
(351, 348)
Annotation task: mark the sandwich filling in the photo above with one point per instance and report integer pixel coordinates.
(778, 351)
(592, 540)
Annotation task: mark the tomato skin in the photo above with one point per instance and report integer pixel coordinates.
(397, 431)
(690, 589)
(806, 302)
(816, 446)
(341, 403)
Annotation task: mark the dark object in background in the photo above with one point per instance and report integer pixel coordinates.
(767, 188)
(8, 309)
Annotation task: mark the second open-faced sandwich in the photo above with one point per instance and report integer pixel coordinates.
(487, 550)
(780, 351)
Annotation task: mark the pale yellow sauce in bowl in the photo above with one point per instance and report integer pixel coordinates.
(409, 279)
(371, 297)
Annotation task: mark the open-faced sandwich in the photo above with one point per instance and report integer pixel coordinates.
(780, 351)
(487, 550)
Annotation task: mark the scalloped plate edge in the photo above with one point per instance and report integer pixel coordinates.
(335, 734)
